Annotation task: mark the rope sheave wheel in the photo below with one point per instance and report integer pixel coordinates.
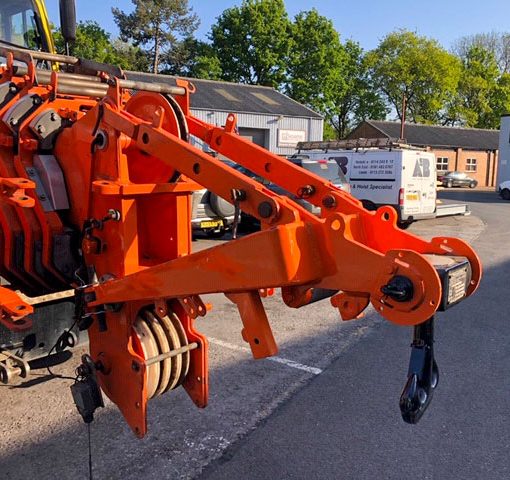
(160, 336)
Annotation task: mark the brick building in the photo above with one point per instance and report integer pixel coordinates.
(470, 150)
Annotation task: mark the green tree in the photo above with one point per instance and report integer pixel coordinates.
(316, 62)
(252, 42)
(498, 43)
(194, 58)
(131, 57)
(501, 100)
(357, 100)
(329, 77)
(157, 26)
(417, 67)
(94, 43)
(483, 94)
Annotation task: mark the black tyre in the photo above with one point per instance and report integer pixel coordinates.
(369, 205)
(472, 185)
(449, 184)
(505, 194)
(404, 224)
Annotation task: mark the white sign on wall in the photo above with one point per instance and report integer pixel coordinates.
(290, 138)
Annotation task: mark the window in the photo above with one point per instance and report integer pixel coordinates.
(471, 165)
(18, 23)
(265, 98)
(226, 94)
(442, 164)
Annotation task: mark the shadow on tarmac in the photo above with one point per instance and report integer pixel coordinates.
(470, 196)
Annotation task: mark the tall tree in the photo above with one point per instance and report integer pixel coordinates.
(483, 94)
(252, 42)
(194, 58)
(498, 43)
(157, 26)
(358, 100)
(316, 62)
(417, 67)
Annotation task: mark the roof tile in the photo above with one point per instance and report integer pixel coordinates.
(438, 136)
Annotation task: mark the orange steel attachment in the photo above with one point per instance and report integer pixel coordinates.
(129, 171)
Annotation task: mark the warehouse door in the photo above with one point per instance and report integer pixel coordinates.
(256, 135)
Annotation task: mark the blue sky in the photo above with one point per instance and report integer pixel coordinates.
(365, 22)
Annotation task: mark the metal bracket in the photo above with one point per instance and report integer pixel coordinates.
(12, 190)
(14, 310)
(193, 306)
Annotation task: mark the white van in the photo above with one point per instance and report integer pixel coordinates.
(402, 178)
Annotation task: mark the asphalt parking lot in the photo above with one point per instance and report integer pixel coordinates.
(326, 407)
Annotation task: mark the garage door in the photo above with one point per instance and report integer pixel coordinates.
(256, 135)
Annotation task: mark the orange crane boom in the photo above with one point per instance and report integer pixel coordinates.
(97, 175)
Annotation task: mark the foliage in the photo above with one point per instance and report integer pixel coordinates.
(495, 42)
(329, 76)
(252, 42)
(417, 67)
(130, 57)
(484, 92)
(194, 58)
(476, 86)
(94, 43)
(316, 61)
(358, 100)
(157, 26)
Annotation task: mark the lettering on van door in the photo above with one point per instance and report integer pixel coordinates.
(422, 168)
(375, 169)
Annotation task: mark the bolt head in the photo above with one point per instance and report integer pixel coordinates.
(329, 201)
(265, 209)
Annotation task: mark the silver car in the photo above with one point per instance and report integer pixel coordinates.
(211, 214)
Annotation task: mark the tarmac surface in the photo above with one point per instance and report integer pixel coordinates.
(326, 407)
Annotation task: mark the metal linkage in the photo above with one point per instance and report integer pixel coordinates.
(423, 375)
(87, 83)
(11, 367)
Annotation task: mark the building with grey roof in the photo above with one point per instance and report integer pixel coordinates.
(264, 115)
(471, 150)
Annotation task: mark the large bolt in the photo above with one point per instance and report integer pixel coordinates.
(329, 201)
(265, 209)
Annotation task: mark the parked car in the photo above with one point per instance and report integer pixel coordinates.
(214, 216)
(211, 214)
(504, 190)
(457, 179)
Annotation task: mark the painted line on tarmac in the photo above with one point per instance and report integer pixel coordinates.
(283, 361)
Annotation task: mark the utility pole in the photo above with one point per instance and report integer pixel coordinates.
(403, 117)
